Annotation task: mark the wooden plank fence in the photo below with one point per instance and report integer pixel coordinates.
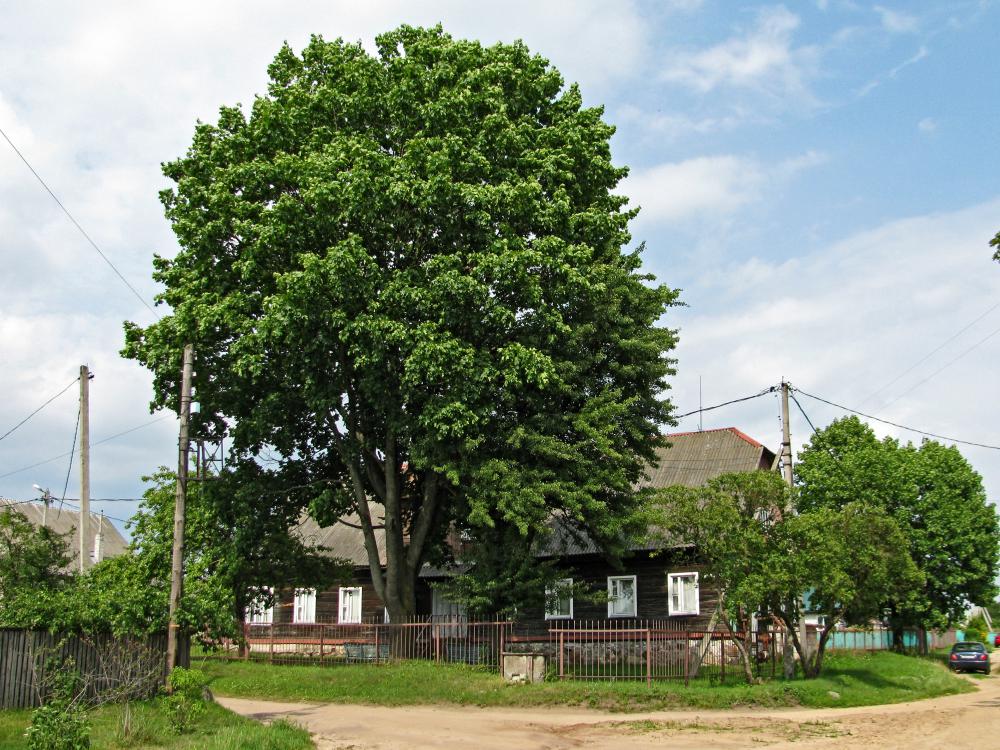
(109, 667)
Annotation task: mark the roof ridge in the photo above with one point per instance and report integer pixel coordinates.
(736, 431)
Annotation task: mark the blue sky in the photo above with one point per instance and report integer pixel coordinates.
(818, 177)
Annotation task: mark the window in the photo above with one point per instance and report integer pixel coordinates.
(350, 604)
(257, 613)
(305, 606)
(682, 593)
(621, 596)
(559, 600)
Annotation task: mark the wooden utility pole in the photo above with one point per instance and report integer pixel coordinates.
(177, 558)
(84, 466)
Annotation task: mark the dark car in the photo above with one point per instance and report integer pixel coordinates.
(969, 656)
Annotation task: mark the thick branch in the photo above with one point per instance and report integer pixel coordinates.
(424, 521)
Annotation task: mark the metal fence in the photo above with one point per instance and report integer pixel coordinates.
(649, 650)
(442, 640)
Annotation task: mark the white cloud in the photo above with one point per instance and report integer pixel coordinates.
(927, 125)
(897, 22)
(762, 59)
(846, 320)
(709, 185)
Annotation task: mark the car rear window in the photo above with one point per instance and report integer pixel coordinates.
(968, 647)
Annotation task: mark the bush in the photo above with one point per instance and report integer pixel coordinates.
(975, 629)
(186, 701)
(58, 726)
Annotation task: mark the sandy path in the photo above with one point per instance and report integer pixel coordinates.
(954, 722)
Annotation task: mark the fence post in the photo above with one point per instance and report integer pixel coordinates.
(437, 642)
(246, 641)
(687, 656)
(322, 641)
(560, 654)
(378, 654)
(722, 657)
(649, 658)
(270, 629)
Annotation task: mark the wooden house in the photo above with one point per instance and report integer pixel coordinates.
(650, 583)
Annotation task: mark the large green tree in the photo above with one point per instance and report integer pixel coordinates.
(405, 279)
(935, 497)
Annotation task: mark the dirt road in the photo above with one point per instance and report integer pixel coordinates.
(956, 722)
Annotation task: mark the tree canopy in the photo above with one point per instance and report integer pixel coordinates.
(763, 556)
(935, 497)
(32, 559)
(405, 279)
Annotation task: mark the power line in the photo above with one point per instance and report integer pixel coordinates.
(919, 362)
(900, 426)
(72, 451)
(11, 430)
(77, 224)
(99, 442)
(942, 367)
(764, 392)
(113, 518)
(792, 394)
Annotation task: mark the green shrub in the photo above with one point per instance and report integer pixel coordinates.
(975, 629)
(186, 700)
(58, 725)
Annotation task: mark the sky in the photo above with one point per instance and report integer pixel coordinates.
(818, 178)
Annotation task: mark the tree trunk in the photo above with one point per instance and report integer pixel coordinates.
(706, 639)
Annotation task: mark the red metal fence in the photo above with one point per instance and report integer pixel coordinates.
(435, 639)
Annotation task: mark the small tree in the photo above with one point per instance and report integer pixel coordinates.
(763, 556)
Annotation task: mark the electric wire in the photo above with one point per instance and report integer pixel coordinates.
(11, 430)
(926, 357)
(764, 392)
(900, 426)
(77, 224)
(945, 366)
(792, 394)
(99, 442)
(69, 466)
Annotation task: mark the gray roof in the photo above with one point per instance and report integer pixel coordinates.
(692, 458)
(685, 458)
(64, 521)
(344, 539)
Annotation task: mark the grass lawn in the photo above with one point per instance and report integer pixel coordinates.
(216, 729)
(860, 679)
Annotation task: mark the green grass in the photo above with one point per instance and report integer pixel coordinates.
(216, 729)
(860, 679)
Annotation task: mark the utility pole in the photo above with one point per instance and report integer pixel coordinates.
(85, 377)
(786, 466)
(177, 558)
(786, 436)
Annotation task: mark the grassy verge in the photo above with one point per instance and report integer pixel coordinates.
(216, 729)
(858, 679)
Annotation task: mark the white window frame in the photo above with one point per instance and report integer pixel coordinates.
(612, 598)
(304, 606)
(263, 615)
(673, 580)
(340, 604)
(564, 584)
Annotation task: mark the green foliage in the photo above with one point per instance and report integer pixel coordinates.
(934, 496)
(33, 563)
(763, 556)
(60, 724)
(995, 242)
(186, 702)
(975, 629)
(403, 275)
(229, 549)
